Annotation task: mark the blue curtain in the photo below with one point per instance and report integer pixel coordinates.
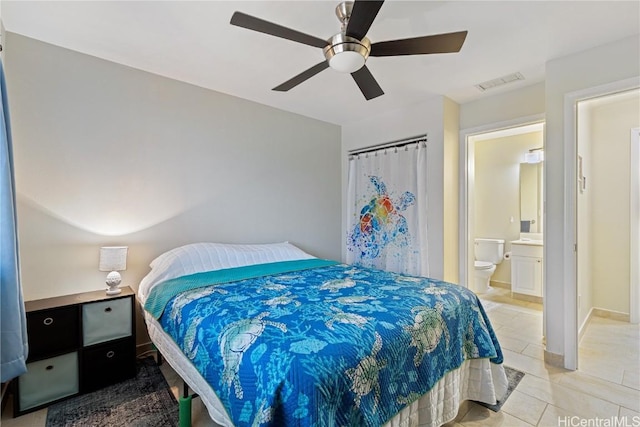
(13, 330)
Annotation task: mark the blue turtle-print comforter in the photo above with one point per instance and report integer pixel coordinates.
(331, 345)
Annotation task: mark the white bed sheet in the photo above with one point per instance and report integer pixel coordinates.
(208, 256)
(476, 379)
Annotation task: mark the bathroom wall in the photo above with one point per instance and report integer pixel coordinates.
(497, 191)
(609, 186)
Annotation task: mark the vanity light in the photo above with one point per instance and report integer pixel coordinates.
(113, 259)
(534, 156)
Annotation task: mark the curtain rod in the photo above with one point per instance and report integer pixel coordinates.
(393, 144)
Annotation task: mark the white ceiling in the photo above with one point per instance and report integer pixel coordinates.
(194, 42)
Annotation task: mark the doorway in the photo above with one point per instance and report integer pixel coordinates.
(496, 161)
(591, 145)
(605, 181)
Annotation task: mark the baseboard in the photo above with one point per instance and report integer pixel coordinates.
(583, 327)
(611, 314)
(558, 359)
(528, 298)
(501, 285)
(554, 359)
(604, 313)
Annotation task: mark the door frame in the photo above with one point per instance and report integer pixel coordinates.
(467, 195)
(634, 217)
(570, 293)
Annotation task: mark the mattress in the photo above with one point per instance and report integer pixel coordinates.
(476, 379)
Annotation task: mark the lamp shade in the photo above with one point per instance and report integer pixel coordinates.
(113, 258)
(347, 61)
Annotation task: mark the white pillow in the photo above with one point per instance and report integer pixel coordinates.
(199, 257)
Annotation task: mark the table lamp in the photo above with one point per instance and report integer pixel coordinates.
(113, 259)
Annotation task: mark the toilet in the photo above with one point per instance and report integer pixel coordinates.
(488, 253)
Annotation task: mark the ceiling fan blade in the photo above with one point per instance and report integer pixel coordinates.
(243, 20)
(305, 75)
(439, 43)
(367, 84)
(362, 16)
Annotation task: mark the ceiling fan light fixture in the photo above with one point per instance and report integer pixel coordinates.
(346, 54)
(346, 62)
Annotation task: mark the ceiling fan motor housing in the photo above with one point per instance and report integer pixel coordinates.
(347, 54)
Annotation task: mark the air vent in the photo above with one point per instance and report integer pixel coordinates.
(499, 81)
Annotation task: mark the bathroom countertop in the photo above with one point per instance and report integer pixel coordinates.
(530, 242)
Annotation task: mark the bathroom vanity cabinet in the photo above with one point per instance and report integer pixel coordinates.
(526, 267)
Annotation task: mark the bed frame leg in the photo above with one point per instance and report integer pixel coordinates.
(185, 411)
(184, 408)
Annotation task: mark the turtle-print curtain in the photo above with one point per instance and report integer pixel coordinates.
(387, 208)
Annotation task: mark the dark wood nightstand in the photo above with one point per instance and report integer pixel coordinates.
(77, 344)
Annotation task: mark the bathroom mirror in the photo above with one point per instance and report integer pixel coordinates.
(531, 197)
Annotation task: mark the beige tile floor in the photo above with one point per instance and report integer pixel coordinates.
(605, 389)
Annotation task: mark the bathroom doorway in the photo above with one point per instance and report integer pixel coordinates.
(605, 141)
(502, 198)
(599, 125)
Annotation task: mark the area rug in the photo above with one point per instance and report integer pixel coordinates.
(143, 401)
(513, 376)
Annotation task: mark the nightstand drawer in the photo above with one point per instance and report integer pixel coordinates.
(108, 363)
(106, 320)
(52, 331)
(48, 380)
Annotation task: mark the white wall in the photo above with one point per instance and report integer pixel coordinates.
(107, 154)
(594, 67)
(609, 183)
(427, 117)
(601, 65)
(502, 107)
(497, 190)
(451, 198)
(502, 110)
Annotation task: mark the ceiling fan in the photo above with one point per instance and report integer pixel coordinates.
(348, 50)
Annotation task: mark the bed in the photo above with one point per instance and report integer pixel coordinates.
(270, 335)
